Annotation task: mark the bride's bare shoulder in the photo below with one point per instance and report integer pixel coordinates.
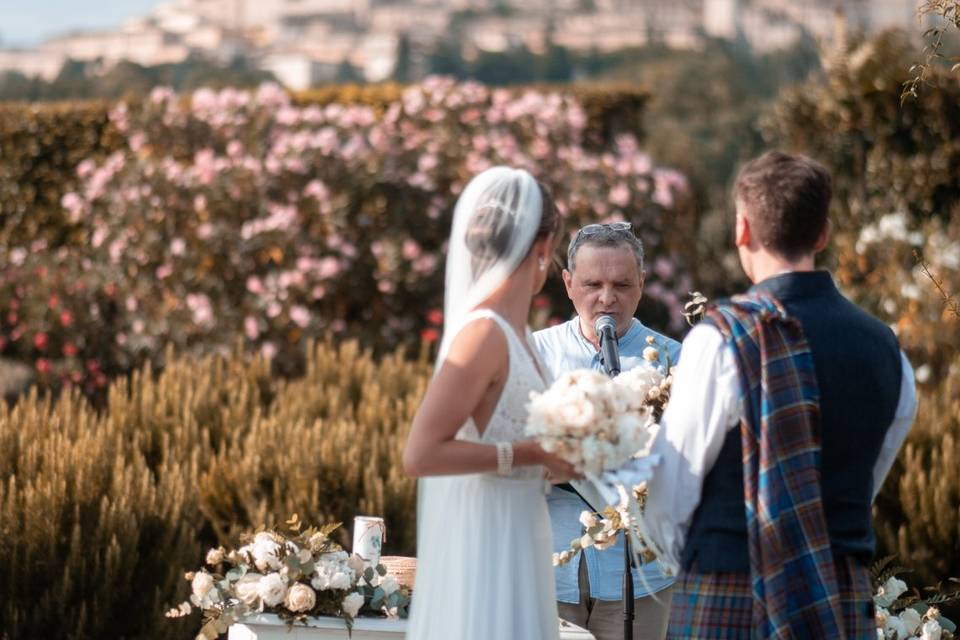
(480, 342)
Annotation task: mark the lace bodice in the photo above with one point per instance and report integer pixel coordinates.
(509, 418)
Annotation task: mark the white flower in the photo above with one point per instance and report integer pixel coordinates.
(272, 589)
(202, 583)
(300, 598)
(931, 630)
(588, 519)
(650, 354)
(892, 589)
(215, 556)
(911, 620)
(895, 626)
(389, 584)
(351, 604)
(247, 588)
(586, 541)
(881, 616)
(265, 551)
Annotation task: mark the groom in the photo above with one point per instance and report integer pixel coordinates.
(604, 277)
(787, 412)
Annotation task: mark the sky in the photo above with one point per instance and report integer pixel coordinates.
(28, 22)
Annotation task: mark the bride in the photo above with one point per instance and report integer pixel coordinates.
(484, 543)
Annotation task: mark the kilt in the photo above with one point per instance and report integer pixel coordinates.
(719, 605)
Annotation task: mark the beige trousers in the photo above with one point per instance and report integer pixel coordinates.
(604, 618)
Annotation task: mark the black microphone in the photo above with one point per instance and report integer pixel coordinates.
(606, 328)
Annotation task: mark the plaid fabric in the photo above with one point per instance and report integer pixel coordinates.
(720, 605)
(795, 593)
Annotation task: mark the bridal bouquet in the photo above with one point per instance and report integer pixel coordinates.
(294, 576)
(591, 421)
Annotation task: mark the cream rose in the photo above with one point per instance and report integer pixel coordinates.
(300, 598)
(588, 519)
(215, 556)
(202, 583)
(351, 604)
(247, 588)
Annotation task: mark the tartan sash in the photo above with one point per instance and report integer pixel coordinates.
(792, 571)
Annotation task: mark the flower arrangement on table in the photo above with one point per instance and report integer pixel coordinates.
(902, 614)
(605, 427)
(295, 576)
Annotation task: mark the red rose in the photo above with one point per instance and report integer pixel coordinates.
(40, 341)
(435, 317)
(43, 366)
(429, 335)
(66, 318)
(70, 349)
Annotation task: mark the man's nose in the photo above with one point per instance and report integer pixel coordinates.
(606, 296)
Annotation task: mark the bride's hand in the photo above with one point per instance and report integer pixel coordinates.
(558, 469)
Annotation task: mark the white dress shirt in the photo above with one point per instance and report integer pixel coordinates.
(704, 405)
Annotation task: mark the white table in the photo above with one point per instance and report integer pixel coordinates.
(270, 627)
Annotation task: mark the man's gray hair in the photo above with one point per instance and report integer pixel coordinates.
(606, 237)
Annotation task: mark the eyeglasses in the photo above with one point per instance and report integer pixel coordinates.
(593, 229)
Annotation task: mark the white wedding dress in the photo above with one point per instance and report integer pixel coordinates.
(484, 549)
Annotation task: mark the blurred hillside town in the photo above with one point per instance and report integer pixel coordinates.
(309, 42)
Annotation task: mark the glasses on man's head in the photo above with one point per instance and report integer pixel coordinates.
(592, 229)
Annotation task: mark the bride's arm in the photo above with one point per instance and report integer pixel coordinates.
(476, 365)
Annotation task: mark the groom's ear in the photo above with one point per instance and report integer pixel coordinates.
(742, 237)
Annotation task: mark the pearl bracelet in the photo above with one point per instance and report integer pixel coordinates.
(504, 458)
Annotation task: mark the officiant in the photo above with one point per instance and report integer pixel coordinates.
(604, 276)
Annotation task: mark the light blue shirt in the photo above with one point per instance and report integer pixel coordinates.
(563, 348)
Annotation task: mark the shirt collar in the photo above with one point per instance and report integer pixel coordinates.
(636, 328)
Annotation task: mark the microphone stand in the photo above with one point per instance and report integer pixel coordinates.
(612, 370)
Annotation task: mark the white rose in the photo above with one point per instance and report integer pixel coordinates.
(895, 626)
(215, 556)
(351, 605)
(588, 519)
(300, 598)
(389, 584)
(650, 354)
(586, 541)
(202, 583)
(931, 630)
(892, 589)
(272, 589)
(265, 551)
(911, 620)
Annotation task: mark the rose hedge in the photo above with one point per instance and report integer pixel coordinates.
(241, 215)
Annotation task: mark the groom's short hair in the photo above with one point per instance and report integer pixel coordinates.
(787, 198)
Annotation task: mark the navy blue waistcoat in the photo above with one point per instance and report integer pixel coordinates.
(857, 361)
